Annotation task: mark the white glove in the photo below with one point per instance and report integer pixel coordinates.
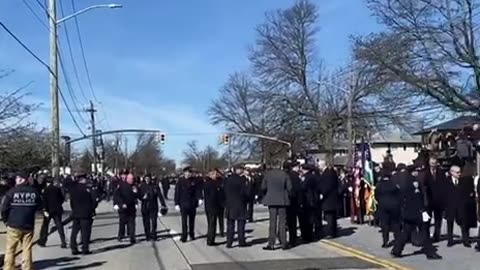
(46, 214)
(136, 206)
(177, 207)
(425, 217)
(350, 189)
(159, 214)
(256, 197)
(200, 202)
(321, 196)
(115, 207)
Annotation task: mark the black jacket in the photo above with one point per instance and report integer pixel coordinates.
(126, 194)
(388, 195)
(214, 196)
(53, 200)
(188, 192)
(413, 194)
(436, 187)
(19, 207)
(82, 201)
(461, 205)
(295, 194)
(237, 194)
(149, 195)
(309, 195)
(328, 188)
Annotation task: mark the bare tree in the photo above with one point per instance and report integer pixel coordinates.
(429, 48)
(203, 160)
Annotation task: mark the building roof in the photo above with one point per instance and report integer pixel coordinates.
(395, 136)
(453, 125)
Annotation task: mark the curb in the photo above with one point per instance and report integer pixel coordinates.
(364, 256)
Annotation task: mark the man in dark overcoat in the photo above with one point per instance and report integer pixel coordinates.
(461, 205)
(435, 182)
(328, 193)
(237, 194)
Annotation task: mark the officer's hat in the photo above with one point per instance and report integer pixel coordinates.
(187, 169)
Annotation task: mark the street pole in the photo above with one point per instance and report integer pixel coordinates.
(92, 111)
(126, 152)
(52, 10)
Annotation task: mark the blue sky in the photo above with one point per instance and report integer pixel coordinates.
(158, 64)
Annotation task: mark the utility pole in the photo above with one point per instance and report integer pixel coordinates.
(52, 11)
(92, 112)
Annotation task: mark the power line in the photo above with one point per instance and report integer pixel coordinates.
(35, 14)
(75, 71)
(83, 52)
(67, 80)
(45, 65)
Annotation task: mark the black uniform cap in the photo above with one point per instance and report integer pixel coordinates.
(187, 169)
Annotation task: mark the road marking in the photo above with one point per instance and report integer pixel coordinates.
(363, 256)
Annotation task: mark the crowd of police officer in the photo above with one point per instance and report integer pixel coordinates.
(411, 198)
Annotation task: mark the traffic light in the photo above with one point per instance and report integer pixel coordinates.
(225, 139)
(162, 138)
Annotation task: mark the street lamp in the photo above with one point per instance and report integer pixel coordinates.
(53, 24)
(350, 96)
(112, 6)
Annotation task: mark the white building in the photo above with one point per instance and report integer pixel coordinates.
(403, 147)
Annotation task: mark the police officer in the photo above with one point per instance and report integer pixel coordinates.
(188, 196)
(388, 196)
(150, 193)
(125, 202)
(18, 212)
(83, 204)
(214, 204)
(53, 199)
(414, 214)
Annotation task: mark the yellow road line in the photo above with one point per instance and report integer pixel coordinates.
(334, 246)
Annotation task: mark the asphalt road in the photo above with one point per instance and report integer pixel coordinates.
(170, 254)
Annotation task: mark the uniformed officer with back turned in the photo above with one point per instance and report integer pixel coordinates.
(414, 214)
(83, 204)
(53, 199)
(150, 194)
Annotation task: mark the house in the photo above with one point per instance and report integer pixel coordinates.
(403, 147)
(452, 126)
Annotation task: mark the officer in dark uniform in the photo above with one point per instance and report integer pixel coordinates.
(83, 204)
(414, 214)
(53, 199)
(293, 210)
(188, 196)
(308, 201)
(236, 198)
(150, 193)
(165, 186)
(388, 196)
(125, 202)
(214, 204)
(328, 190)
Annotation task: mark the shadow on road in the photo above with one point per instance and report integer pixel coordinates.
(58, 262)
(110, 248)
(86, 266)
(342, 232)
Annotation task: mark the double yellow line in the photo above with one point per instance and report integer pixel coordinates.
(348, 251)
